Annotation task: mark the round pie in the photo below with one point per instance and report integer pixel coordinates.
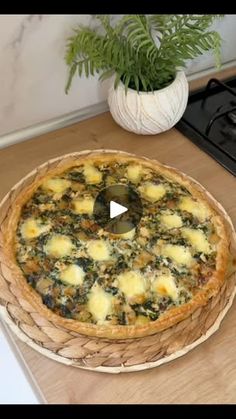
(119, 286)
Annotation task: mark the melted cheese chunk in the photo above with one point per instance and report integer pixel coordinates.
(58, 246)
(98, 250)
(32, 228)
(56, 185)
(165, 286)
(198, 209)
(92, 174)
(73, 275)
(99, 303)
(197, 239)
(131, 283)
(134, 173)
(83, 206)
(140, 320)
(179, 254)
(171, 220)
(153, 192)
(127, 236)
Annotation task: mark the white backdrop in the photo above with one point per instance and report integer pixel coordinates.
(33, 72)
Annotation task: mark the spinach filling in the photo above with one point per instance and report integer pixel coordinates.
(71, 301)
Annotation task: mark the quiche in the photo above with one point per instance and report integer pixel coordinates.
(116, 286)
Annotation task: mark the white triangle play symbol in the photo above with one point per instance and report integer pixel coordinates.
(116, 209)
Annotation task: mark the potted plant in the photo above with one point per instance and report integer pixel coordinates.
(144, 55)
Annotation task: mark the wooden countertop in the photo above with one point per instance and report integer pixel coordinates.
(205, 375)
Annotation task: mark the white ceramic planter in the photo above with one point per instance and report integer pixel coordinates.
(149, 112)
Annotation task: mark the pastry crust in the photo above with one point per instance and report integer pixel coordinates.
(166, 320)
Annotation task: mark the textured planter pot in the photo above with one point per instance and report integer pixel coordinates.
(149, 112)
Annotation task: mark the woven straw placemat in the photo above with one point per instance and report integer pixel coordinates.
(99, 354)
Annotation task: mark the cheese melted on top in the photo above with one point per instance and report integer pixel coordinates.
(87, 274)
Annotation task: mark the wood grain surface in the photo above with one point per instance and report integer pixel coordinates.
(205, 375)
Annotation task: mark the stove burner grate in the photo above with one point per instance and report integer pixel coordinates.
(210, 121)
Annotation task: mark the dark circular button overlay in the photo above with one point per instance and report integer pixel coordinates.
(117, 209)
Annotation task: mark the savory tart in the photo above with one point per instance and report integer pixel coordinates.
(116, 285)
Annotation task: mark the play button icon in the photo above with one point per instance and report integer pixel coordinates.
(117, 209)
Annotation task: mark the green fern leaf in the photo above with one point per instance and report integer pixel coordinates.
(71, 75)
(145, 51)
(117, 80)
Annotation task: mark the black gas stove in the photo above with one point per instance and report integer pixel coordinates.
(210, 121)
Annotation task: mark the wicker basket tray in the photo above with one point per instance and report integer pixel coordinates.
(101, 354)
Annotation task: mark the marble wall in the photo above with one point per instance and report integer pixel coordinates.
(33, 72)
